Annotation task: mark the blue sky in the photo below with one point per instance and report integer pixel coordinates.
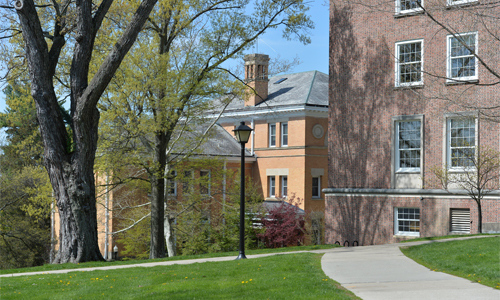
(313, 56)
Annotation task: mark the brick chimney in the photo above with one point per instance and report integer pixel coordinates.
(256, 71)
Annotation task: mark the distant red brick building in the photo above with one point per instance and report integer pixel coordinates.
(413, 88)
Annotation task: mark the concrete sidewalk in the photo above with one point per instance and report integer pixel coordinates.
(384, 272)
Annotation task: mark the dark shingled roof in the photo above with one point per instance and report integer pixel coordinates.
(219, 143)
(306, 88)
(273, 204)
(222, 143)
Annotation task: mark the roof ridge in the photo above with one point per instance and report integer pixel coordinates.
(310, 87)
(288, 74)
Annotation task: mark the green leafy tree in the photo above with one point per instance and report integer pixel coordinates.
(170, 79)
(24, 145)
(25, 192)
(135, 240)
(52, 31)
(210, 223)
(25, 201)
(205, 213)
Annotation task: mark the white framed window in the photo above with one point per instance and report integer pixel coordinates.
(284, 134)
(284, 186)
(272, 186)
(205, 182)
(272, 134)
(408, 6)
(172, 184)
(462, 63)
(461, 142)
(459, 2)
(409, 63)
(407, 221)
(316, 187)
(408, 146)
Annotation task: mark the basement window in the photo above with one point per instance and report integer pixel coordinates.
(407, 221)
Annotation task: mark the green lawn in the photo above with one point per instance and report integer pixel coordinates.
(49, 267)
(291, 276)
(475, 259)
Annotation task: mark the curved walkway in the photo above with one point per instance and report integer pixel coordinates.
(384, 272)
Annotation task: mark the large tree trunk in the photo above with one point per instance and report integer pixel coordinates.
(157, 249)
(70, 164)
(73, 183)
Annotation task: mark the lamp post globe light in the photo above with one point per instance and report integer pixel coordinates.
(242, 134)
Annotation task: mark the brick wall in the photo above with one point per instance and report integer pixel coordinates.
(363, 96)
(364, 99)
(369, 220)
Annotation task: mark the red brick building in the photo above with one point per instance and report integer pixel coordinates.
(414, 89)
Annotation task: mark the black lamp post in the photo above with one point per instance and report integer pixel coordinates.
(242, 134)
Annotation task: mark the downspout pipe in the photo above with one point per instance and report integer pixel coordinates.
(106, 226)
(253, 136)
(52, 229)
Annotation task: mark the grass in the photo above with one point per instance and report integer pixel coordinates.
(475, 259)
(49, 267)
(291, 276)
(435, 238)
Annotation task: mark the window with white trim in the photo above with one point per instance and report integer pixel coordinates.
(272, 135)
(461, 138)
(272, 186)
(316, 187)
(284, 186)
(407, 221)
(408, 6)
(408, 146)
(205, 182)
(459, 2)
(462, 62)
(172, 184)
(409, 63)
(284, 134)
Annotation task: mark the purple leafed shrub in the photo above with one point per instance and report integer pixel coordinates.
(284, 225)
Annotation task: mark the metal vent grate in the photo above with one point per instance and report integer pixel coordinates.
(460, 220)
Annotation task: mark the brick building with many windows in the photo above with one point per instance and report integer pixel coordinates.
(414, 99)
